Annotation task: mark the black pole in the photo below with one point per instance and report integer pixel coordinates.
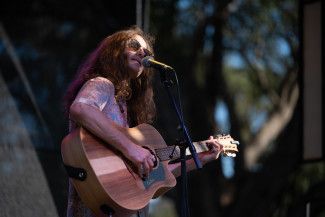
(188, 142)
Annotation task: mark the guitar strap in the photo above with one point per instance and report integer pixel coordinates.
(75, 172)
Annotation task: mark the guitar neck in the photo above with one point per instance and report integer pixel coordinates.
(173, 152)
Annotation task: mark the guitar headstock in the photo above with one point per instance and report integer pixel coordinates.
(230, 146)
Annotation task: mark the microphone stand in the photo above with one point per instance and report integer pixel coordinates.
(183, 145)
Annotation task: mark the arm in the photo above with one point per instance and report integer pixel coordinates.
(96, 122)
(204, 157)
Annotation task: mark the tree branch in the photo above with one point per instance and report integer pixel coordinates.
(276, 122)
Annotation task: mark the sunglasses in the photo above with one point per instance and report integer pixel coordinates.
(135, 46)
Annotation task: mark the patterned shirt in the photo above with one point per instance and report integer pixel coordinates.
(98, 92)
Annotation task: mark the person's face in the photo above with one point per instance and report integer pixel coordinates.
(136, 50)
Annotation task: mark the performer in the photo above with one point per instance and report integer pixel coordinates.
(112, 90)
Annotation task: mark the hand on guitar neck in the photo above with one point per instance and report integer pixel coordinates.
(215, 149)
(209, 150)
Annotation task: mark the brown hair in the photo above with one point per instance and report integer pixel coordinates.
(108, 60)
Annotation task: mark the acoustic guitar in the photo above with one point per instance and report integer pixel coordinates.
(106, 181)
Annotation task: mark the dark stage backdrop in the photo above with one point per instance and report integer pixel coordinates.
(41, 45)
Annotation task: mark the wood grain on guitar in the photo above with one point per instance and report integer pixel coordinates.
(110, 178)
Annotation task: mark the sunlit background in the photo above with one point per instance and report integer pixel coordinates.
(251, 68)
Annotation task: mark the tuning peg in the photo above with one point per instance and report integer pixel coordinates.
(234, 142)
(229, 154)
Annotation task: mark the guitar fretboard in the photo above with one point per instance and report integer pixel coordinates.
(167, 153)
(173, 152)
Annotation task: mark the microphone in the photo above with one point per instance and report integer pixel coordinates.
(149, 61)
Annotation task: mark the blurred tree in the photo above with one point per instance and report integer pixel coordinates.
(237, 59)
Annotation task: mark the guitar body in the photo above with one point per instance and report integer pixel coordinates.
(110, 178)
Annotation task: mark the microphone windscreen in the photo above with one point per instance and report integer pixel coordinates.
(146, 61)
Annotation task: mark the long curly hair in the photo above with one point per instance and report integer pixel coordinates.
(109, 60)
